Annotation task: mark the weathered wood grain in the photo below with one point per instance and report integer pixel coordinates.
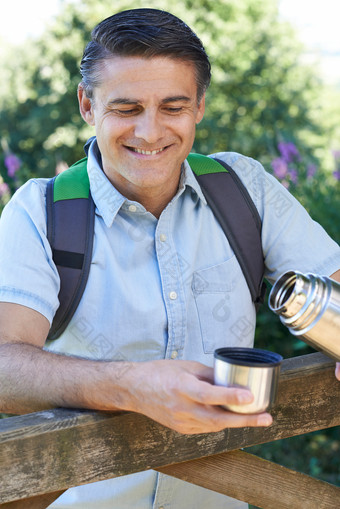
(257, 481)
(38, 502)
(73, 447)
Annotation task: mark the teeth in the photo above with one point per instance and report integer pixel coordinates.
(148, 152)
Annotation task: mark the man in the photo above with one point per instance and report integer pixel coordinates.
(164, 288)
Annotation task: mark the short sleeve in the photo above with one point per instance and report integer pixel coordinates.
(291, 239)
(28, 275)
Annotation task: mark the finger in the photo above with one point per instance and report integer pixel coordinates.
(213, 419)
(337, 370)
(208, 394)
(235, 420)
(202, 372)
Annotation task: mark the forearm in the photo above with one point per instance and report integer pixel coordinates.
(32, 379)
(177, 394)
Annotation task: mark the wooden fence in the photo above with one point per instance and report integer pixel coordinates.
(44, 453)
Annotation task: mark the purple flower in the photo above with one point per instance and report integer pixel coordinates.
(4, 189)
(12, 164)
(293, 176)
(336, 175)
(336, 154)
(280, 167)
(311, 170)
(288, 151)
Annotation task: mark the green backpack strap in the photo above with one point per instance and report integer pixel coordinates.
(70, 229)
(236, 212)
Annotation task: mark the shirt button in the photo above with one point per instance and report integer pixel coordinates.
(132, 208)
(174, 354)
(162, 237)
(173, 295)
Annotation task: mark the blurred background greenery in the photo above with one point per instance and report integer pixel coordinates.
(264, 101)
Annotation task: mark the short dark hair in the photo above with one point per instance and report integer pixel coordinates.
(147, 33)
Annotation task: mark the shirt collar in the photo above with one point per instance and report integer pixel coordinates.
(188, 179)
(108, 199)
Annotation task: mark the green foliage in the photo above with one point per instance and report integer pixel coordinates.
(261, 95)
(251, 102)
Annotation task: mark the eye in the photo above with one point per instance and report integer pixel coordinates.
(131, 111)
(173, 109)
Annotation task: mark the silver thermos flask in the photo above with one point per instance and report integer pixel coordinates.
(309, 305)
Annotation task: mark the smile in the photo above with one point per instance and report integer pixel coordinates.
(147, 152)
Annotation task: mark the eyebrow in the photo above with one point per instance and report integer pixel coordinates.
(176, 98)
(122, 100)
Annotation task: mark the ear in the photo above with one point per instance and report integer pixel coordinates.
(201, 110)
(85, 106)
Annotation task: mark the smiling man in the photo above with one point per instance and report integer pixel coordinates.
(164, 288)
(145, 112)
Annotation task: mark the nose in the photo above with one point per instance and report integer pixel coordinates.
(149, 127)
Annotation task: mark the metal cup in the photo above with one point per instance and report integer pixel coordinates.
(250, 368)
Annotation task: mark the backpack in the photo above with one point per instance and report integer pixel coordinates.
(70, 228)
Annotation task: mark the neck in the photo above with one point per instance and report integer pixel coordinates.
(153, 200)
(154, 203)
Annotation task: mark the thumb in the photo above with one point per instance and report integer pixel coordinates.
(337, 370)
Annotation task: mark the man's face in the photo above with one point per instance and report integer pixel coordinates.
(145, 114)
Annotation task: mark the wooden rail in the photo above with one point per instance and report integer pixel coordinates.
(44, 453)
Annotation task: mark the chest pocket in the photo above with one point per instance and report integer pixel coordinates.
(215, 291)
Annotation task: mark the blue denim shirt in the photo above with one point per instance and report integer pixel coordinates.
(168, 288)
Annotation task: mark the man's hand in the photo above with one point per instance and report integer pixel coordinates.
(180, 395)
(337, 370)
(336, 277)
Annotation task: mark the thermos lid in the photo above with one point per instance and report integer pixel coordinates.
(248, 356)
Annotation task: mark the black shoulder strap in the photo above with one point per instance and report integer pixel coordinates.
(70, 230)
(235, 210)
